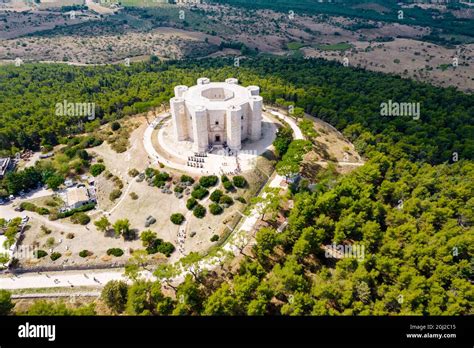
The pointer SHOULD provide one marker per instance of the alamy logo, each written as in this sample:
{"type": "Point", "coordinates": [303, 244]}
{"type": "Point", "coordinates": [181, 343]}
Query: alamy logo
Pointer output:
{"type": "Point", "coordinates": [400, 109]}
{"type": "Point", "coordinates": [341, 251]}
{"type": "Point", "coordinates": [37, 331]}
{"type": "Point", "coordinates": [76, 109]}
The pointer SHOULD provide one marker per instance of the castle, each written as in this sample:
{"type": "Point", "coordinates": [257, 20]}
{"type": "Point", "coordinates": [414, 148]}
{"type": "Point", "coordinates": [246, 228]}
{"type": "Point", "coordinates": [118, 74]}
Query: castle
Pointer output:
{"type": "Point", "coordinates": [217, 114]}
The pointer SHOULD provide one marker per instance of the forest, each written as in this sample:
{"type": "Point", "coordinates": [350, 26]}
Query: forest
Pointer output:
{"type": "Point", "coordinates": [411, 205]}
{"type": "Point", "coordinates": [341, 96]}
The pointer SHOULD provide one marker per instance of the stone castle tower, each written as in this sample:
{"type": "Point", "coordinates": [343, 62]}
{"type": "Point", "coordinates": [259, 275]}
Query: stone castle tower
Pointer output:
{"type": "Point", "coordinates": [214, 114]}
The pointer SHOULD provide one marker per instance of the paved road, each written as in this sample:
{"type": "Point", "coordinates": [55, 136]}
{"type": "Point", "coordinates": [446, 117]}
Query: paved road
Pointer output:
{"type": "Point", "coordinates": [7, 211]}
{"type": "Point", "coordinates": [71, 295]}
{"type": "Point", "coordinates": [291, 122]}
{"type": "Point", "coordinates": [62, 279]}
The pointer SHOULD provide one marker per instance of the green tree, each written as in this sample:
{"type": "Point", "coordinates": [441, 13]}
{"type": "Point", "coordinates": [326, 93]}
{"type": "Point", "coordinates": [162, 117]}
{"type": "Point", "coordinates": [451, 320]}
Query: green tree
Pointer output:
{"type": "Point", "coordinates": [221, 302]}
{"type": "Point", "coordinates": [6, 304]}
{"type": "Point", "coordinates": [145, 297]}
{"type": "Point", "coordinates": [103, 224]}
{"type": "Point", "coordinates": [135, 264]}
{"type": "Point", "coordinates": [96, 169]}
{"type": "Point", "coordinates": [190, 298]}
{"type": "Point", "coordinates": [54, 181]}
{"type": "Point", "coordinates": [148, 237]}
{"type": "Point", "coordinates": [114, 294]}
{"type": "Point", "coordinates": [122, 227]}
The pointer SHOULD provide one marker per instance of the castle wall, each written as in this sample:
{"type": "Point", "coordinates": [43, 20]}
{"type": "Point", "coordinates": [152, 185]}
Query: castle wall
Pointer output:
{"type": "Point", "coordinates": [200, 129]}
{"type": "Point", "coordinates": [178, 114]}
{"type": "Point", "coordinates": [256, 104]}
{"type": "Point", "coordinates": [234, 133]}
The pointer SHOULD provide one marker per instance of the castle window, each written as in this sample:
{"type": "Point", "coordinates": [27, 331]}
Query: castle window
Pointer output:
{"type": "Point", "coordinates": [241, 117]}
{"type": "Point", "coordinates": [217, 122]}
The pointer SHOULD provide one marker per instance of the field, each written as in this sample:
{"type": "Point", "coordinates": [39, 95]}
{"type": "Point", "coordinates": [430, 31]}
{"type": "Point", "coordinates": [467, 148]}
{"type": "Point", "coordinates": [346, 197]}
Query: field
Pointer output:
{"type": "Point", "coordinates": [295, 45]}
{"type": "Point", "coordinates": [143, 3]}
{"type": "Point", "coordinates": [158, 30]}
{"type": "Point", "coordinates": [343, 46]}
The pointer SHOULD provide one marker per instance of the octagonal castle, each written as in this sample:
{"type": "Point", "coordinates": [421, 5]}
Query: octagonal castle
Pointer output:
{"type": "Point", "coordinates": [217, 113]}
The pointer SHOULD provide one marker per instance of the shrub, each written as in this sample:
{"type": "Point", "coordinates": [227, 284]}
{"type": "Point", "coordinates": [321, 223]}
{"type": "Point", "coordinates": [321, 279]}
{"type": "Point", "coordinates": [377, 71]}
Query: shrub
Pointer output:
{"type": "Point", "coordinates": [134, 196]}
{"type": "Point", "coordinates": [80, 218]}
{"type": "Point", "coordinates": [160, 179]}
{"type": "Point", "coordinates": [28, 206]}
{"type": "Point", "coordinates": [200, 193]}
{"type": "Point", "coordinates": [42, 211]}
{"type": "Point", "coordinates": [115, 126]}
{"type": "Point", "coordinates": [187, 178]}
{"type": "Point", "coordinates": [178, 189]}
{"type": "Point", "coordinates": [133, 172]}
{"type": "Point", "coordinates": [40, 253]}
{"type": "Point", "coordinates": [214, 238]}
{"type": "Point", "coordinates": [224, 178]}
{"type": "Point", "coordinates": [228, 186]}
{"type": "Point", "coordinates": [199, 211]}
{"type": "Point", "coordinates": [54, 256]}
{"type": "Point", "coordinates": [96, 169]}
{"type": "Point", "coordinates": [177, 218]}
{"type": "Point", "coordinates": [85, 253]}
{"type": "Point", "coordinates": [70, 235]}
{"type": "Point", "coordinates": [45, 230]}
{"type": "Point", "coordinates": [215, 209]}
{"type": "Point", "coordinates": [31, 207]}
{"type": "Point", "coordinates": [50, 241]}
{"type": "Point", "coordinates": [239, 181]}
{"type": "Point", "coordinates": [226, 200]}
{"type": "Point", "coordinates": [241, 199]}
{"type": "Point", "coordinates": [150, 172]}
{"type": "Point", "coordinates": [51, 203]}
{"type": "Point", "coordinates": [191, 203]}
{"type": "Point", "coordinates": [85, 207]}
{"type": "Point", "coordinates": [166, 248]}
{"type": "Point", "coordinates": [117, 252]}
{"type": "Point", "coordinates": [115, 194]}
{"type": "Point", "coordinates": [160, 246]}
{"type": "Point", "coordinates": [208, 181]}
{"type": "Point", "coordinates": [216, 195]}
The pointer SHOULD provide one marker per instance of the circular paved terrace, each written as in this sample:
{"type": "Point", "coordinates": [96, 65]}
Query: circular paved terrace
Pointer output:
{"type": "Point", "coordinates": [162, 146]}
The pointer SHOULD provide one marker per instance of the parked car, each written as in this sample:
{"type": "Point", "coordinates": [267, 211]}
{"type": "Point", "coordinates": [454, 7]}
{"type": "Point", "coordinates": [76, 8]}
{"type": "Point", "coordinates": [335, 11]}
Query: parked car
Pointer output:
{"type": "Point", "coordinates": [150, 220]}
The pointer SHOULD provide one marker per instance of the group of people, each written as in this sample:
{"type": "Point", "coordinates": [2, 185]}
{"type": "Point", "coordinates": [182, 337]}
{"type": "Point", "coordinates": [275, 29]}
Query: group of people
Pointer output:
{"type": "Point", "coordinates": [181, 239]}
{"type": "Point", "coordinates": [195, 165]}
{"type": "Point", "coordinates": [197, 160]}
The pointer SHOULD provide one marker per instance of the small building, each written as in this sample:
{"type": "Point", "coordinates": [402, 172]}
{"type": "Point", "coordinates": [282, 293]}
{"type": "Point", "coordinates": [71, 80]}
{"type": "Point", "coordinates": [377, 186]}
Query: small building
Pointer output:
{"type": "Point", "coordinates": [79, 196]}
{"type": "Point", "coordinates": [5, 164]}
{"type": "Point", "coordinates": [46, 155]}
{"type": "Point", "coordinates": [69, 183]}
